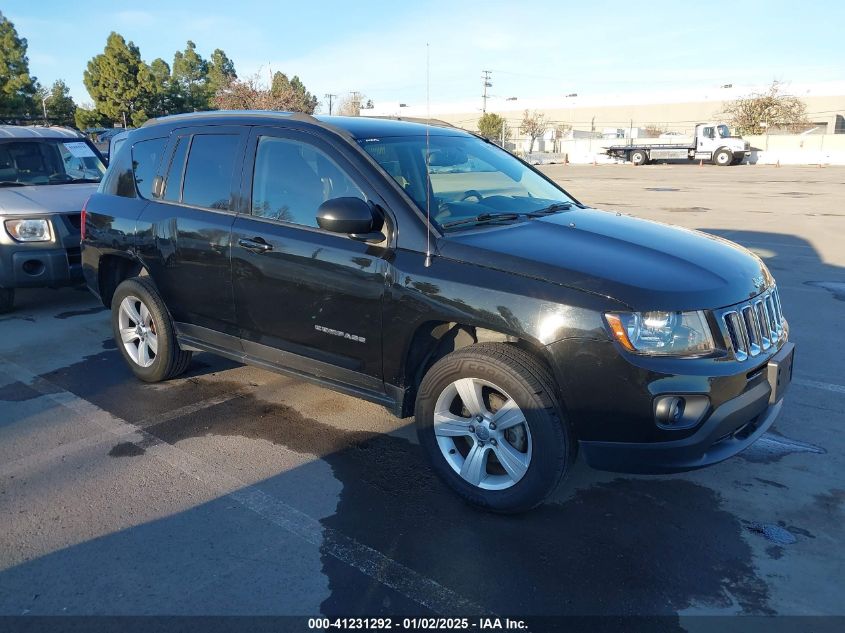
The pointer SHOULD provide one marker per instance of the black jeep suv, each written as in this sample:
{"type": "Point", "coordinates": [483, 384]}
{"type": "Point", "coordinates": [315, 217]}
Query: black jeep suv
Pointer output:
{"type": "Point", "coordinates": [423, 268]}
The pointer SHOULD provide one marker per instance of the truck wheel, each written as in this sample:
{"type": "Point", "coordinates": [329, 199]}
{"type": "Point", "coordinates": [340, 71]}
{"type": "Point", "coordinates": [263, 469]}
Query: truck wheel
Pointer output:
{"type": "Point", "coordinates": [144, 332]}
{"type": "Point", "coordinates": [489, 419]}
{"type": "Point", "coordinates": [639, 157]}
{"type": "Point", "coordinates": [722, 157]}
{"type": "Point", "coordinates": [7, 299]}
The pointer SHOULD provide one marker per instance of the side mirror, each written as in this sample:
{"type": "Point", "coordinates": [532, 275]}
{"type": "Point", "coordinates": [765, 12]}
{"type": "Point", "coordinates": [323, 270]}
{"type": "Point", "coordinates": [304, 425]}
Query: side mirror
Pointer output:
{"type": "Point", "coordinates": [351, 216]}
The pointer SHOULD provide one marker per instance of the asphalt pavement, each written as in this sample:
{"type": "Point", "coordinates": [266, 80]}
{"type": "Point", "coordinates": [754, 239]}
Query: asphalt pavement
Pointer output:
{"type": "Point", "coordinates": [233, 490]}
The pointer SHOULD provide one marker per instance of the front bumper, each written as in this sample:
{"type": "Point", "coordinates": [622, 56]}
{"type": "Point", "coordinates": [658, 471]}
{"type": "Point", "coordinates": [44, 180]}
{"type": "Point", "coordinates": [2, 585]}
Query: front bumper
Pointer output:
{"type": "Point", "coordinates": [611, 399]}
{"type": "Point", "coordinates": [730, 429]}
{"type": "Point", "coordinates": [42, 264]}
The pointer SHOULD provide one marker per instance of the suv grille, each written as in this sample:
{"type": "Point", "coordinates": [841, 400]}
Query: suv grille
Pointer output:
{"type": "Point", "coordinates": [74, 220]}
{"type": "Point", "coordinates": [755, 326]}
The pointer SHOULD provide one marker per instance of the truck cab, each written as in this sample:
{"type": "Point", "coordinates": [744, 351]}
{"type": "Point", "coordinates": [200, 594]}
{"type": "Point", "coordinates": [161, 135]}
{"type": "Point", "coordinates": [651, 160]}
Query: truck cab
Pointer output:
{"type": "Point", "coordinates": [713, 141]}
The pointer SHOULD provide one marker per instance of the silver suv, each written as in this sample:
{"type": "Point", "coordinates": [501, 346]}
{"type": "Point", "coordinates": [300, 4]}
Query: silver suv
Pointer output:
{"type": "Point", "coordinates": [46, 174]}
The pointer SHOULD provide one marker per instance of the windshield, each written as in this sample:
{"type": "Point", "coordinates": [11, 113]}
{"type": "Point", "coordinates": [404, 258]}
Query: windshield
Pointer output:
{"type": "Point", "coordinates": [48, 162]}
{"type": "Point", "coordinates": [724, 131]}
{"type": "Point", "coordinates": [469, 177]}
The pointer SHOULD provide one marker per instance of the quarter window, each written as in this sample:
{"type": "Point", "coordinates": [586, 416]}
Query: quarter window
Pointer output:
{"type": "Point", "coordinates": [145, 158]}
{"type": "Point", "coordinates": [293, 179]}
{"type": "Point", "coordinates": [208, 173]}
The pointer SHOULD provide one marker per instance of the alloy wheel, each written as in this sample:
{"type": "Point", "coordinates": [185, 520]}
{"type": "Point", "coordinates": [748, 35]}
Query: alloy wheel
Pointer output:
{"type": "Point", "coordinates": [137, 331]}
{"type": "Point", "coordinates": [482, 433]}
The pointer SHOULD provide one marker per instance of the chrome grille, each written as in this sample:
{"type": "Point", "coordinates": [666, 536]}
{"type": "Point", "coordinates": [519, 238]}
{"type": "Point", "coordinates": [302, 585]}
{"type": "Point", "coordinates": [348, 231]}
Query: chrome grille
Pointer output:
{"type": "Point", "coordinates": [755, 326]}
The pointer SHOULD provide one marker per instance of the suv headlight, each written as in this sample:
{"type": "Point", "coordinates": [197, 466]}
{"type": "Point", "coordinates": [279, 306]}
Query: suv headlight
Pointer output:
{"type": "Point", "coordinates": [29, 230]}
{"type": "Point", "coordinates": [662, 333]}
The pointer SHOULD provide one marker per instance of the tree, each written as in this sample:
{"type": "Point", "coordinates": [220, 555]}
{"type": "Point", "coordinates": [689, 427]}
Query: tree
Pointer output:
{"type": "Point", "coordinates": [166, 98]}
{"type": "Point", "coordinates": [758, 111]}
{"type": "Point", "coordinates": [533, 125]}
{"type": "Point", "coordinates": [491, 126]}
{"type": "Point", "coordinates": [119, 82]}
{"type": "Point", "coordinates": [291, 95]}
{"type": "Point", "coordinates": [251, 94]}
{"type": "Point", "coordinates": [88, 117]}
{"type": "Point", "coordinates": [653, 131]}
{"type": "Point", "coordinates": [190, 76]}
{"type": "Point", "coordinates": [221, 71]}
{"type": "Point", "coordinates": [58, 103]}
{"type": "Point", "coordinates": [351, 105]}
{"type": "Point", "coordinates": [17, 86]}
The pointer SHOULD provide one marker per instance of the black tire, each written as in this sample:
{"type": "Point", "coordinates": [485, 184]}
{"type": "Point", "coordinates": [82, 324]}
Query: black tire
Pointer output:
{"type": "Point", "coordinates": [7, 300]}
{"type": "Point", "coordinates": [639, 157]}
{"type": "Point", "coordinates": [170, 360]}
{"type": "Point", "coordinates": [524, 379]}
{"type": "Point", "coordinates": [737, 160]}
{"type": "Point", "coordinates": [723, 157]}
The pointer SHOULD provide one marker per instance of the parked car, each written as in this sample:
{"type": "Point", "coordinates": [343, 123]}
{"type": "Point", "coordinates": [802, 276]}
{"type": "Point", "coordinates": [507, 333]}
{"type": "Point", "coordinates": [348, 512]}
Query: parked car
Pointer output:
{"type": "Point", "coordinates": [46, 174]}
{"type": "Point", "coordinates": [428, 270]}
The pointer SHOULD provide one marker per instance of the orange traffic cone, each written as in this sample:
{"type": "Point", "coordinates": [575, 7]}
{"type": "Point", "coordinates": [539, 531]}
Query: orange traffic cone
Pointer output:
{"type": "Point", "coordinates": [701, 163]}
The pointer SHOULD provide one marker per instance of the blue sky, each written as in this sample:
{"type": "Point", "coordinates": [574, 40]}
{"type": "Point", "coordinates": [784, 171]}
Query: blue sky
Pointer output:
{"type": "Point", "coordinates": [535, 49]}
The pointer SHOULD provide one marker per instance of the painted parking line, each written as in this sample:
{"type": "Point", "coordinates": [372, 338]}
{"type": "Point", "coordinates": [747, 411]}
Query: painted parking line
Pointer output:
{"type": "Point", "coordinates": [424, 591]}
{"type": "Point", "coordinates": [816, 384]}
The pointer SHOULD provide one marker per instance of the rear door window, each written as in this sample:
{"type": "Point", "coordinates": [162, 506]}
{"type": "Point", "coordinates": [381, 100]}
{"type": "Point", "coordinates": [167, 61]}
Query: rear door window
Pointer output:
{"type": "Point", "coordinates": [208, 173]}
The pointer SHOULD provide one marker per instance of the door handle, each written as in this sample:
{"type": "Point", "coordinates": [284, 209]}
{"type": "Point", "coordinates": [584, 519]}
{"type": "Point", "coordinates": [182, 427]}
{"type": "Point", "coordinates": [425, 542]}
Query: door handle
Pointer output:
{"type": "Point", "coordinates": [256, 245]}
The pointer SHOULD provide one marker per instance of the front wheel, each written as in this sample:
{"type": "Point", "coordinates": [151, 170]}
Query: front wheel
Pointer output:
{"type": "Point", "coordinates": [723, 157]}
{"type": "Point", "coordinates": [144, 332]}
{"type": "Point", "coordinates": [7, 300]}
{"type": "Point", "coordinates": [489, 419]}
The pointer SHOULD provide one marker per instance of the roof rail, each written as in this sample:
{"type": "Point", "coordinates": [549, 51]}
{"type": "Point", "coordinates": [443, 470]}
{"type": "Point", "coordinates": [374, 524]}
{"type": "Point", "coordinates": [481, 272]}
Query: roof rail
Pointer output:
{"type": "Point", "coordinates": [207, 114]}
{"type": "Point", "coordinates": [413, 119]}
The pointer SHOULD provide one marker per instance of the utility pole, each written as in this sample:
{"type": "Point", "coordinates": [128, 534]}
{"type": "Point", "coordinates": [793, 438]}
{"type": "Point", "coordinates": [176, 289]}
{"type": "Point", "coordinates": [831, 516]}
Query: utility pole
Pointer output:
{"type": "Point", "coordinates": [44, 108]}
{"type": "Point", "coordinates": [331, 98]}
{"type": "Point", "coordinates": [486, 83]}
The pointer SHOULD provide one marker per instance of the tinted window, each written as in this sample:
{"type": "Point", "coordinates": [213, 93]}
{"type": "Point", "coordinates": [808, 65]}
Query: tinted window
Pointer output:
{"type": "Point", "coordinates": [208, 174]}
{"type": "Point", "coordinates": [293, 179]}
{"type": "Point", "coordinates": [145, 158]}
{"type": "Point", "coordinates": [118, 180]}
{"type": "Point", "coordinates": [173, 184]}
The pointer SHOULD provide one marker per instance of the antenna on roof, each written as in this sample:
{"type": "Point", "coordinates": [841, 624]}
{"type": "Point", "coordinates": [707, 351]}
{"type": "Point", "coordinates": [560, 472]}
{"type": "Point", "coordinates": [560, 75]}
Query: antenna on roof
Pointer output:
{"type": "Point", "coordinates": [427, 157]}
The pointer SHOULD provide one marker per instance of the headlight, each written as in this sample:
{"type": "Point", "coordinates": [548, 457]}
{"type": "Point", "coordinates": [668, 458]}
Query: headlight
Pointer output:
{"type": "Point", "coordinates": [662, 333]}
{"type": "Point", "coordinates": [29, 230]}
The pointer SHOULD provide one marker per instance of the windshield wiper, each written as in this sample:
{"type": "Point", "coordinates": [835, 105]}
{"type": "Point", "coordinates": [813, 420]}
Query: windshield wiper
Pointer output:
{"type": "Point", "coordinates": [12, 183]}
{"type": "Point", "coordinates": [552, 208]}
{"type": "Point", "coordinates": [73, 181]}
{"type": "Point", "coordinates": [482, 218]}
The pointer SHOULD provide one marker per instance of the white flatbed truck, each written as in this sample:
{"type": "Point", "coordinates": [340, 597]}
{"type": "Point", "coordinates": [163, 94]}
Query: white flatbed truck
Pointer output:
{"type": "Point", "coordinates": [712, 142]}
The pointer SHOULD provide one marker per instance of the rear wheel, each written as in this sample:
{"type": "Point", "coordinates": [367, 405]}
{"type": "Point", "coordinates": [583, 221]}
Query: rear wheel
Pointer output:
{"type": "Point", "coordinates": [722, 157]}
{"type": "Point", "coordinates": [144, 332]}
{"type": "Point", "coordinates": [639, 157]}
{"type": "Point", "coordinates": [7, 300]}
{"type": "Point", "coordinates": [490, 422]}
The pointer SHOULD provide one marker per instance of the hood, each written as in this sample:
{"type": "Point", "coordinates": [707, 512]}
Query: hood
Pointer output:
{"type": "Point", "coordinates": [41, 199]}
{"type": "Point", "coordinates": [645, 265]}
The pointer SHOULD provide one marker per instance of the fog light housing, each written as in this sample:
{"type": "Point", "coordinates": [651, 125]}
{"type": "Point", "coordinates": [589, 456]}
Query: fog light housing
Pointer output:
{"type": "Point", "coordinates": [674, 412]}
